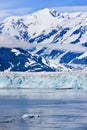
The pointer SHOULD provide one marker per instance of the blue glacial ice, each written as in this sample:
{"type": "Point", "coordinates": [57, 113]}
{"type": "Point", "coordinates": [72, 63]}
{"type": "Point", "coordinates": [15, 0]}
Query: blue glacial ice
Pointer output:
{"type": "Point", "coordinates": [69, 80]}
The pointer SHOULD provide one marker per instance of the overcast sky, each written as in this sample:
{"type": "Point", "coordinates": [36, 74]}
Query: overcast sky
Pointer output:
{"type": "Point", "coordinates": [22, 7]}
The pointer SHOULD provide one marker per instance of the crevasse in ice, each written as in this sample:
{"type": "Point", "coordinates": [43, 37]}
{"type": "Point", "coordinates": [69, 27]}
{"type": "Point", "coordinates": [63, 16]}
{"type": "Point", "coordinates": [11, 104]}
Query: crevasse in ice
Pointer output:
{"type": "Point", "coordinates": [70, 80]}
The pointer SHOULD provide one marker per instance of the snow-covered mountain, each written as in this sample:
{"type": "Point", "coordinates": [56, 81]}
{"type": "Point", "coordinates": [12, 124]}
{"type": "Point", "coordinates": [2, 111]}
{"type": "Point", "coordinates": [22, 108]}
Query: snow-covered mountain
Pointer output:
{"type": "Point", "coordinates": [58, 38]}
{"type": "Point", "coordinates": [17, 59]}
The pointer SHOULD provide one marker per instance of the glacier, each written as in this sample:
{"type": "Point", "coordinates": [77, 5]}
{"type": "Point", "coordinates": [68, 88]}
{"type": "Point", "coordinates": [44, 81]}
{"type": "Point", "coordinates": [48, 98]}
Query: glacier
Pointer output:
{"type": "Point", "coordinates": [42, 80]}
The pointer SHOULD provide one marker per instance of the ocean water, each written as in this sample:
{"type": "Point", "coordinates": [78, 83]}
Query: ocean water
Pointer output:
{"type": "Point", "coordinates": [43, 109]}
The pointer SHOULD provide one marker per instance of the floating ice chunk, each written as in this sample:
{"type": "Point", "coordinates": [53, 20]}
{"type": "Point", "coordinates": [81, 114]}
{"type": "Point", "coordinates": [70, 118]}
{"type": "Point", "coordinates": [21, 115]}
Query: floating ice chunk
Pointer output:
{"type": "Point", "coordinates": [28, 116]}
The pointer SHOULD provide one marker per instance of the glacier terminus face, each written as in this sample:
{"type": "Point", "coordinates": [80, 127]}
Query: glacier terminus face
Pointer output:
{"type": "Point", "coordinates": [50, 80]}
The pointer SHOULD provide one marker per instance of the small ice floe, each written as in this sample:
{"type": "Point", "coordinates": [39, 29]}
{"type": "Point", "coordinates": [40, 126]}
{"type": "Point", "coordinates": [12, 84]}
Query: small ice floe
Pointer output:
{"type": "Point", "coordinates": [29, 116]}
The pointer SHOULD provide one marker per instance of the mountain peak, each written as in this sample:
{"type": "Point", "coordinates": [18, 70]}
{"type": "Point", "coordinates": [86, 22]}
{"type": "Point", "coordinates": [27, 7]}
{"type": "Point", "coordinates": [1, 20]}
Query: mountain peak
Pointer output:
{"type": "Point", "coordinates": [43, 11]}
{"type": "Point", "coordinates": [54, 13]}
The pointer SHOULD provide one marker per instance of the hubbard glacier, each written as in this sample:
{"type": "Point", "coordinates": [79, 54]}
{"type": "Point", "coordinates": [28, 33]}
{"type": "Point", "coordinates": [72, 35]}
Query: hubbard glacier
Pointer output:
{"type": "Point", "coordinates": [61, 81]}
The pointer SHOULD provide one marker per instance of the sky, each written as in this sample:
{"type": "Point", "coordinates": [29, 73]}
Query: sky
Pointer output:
{"type": "Point", "coordinates": [22, 7]}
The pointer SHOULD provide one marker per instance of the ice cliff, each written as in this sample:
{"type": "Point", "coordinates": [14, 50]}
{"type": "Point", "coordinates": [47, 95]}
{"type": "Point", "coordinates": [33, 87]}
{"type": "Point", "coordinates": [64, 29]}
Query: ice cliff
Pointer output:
{"type": "Point", "coordinates": [69, 80]}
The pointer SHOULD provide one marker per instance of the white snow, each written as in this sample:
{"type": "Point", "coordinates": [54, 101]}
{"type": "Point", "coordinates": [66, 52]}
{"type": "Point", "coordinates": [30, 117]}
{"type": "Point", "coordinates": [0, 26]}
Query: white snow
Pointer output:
{"type": "Point", "coordinates": [27, 64]}
{"type": "Point", "coordinates": [15, 51]}
{"type": "Point", "coordinates": [42, 22]}
{"type": "Point", "coordinates": [82, 56]}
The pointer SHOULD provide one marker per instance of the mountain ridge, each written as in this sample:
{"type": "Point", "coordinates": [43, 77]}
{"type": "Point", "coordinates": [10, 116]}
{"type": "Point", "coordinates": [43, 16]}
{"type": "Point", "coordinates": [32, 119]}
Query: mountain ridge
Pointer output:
{"type": "Point", "coordinates": [59, 38]}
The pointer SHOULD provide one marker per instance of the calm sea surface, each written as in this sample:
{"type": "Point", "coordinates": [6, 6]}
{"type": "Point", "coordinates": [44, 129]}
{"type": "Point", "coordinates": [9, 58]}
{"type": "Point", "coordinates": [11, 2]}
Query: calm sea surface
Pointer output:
{"type": "Point", "coordinates": [43, 109]}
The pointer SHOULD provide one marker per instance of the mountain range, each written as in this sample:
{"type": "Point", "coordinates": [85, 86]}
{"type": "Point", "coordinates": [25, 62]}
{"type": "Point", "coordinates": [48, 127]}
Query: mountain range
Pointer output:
{"type": "Point", "coordinates": [45, 40]}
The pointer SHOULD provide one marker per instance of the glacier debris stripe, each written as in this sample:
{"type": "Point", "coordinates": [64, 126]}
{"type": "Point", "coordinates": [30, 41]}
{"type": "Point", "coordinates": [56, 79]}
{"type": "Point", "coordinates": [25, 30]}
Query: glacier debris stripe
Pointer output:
{"type": "Point", "coordinates": [70, 80]}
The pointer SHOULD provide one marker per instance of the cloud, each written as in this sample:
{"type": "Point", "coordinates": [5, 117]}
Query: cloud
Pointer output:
{"type": "Point", "coordinates": [11, 42]}
{"type": "Point", "coordinates": [71, 9]}
{"type": "Point", "coordinates": [12, 12]}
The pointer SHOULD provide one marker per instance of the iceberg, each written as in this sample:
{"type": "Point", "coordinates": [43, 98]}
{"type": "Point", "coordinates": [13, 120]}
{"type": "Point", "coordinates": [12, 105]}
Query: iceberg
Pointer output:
{"type": "Point", "coordinates": [43, 80]}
